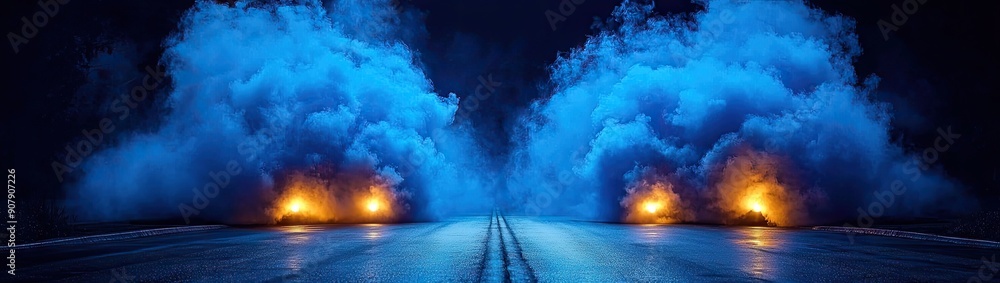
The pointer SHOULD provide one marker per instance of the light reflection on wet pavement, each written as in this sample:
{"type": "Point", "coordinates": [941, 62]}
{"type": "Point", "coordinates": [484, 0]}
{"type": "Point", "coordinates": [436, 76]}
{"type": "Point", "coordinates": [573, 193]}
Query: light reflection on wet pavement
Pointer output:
{"type": "Point", "coordinates": [497, 249]}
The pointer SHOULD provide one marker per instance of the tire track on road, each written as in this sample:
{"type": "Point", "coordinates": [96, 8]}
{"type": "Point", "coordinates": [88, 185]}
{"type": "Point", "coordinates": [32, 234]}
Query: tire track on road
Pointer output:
{"type": "Point", "coordinates": [491, 266]}
{"type": "Point", "coordinates": [518, 270]}
{"type": "Point", "coordinates": [503, 259]}
{"type": "Point", "coordinates": [503, 249]}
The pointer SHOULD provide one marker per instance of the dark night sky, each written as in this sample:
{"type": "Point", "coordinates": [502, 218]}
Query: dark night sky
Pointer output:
{"type": "Point", "coordinates": [938, 69]}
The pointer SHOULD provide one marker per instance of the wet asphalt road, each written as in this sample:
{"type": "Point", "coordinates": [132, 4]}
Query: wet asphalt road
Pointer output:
{"type": "Point", "coordinates": [499, 249]}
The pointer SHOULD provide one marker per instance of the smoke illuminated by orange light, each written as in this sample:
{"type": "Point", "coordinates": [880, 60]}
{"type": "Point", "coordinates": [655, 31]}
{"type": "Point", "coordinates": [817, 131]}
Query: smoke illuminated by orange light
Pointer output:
{"type": "Point", "coordinates": [753, 183]}
{"type": "Point", "coordinates": [376, 205]}
{"type": "Point", "coordinates": [653, 202]}
{"type": "Point", "coordinates": [307, 199]}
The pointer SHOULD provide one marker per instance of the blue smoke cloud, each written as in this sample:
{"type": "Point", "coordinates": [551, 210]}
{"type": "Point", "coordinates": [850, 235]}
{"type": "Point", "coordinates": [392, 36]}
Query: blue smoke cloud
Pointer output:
{"type": "Point", "coordinates": [745, 104]}
{"type": "Point", "coordinates": [711, 106]}
{"type": "Point", "coordinates": [265, 94]}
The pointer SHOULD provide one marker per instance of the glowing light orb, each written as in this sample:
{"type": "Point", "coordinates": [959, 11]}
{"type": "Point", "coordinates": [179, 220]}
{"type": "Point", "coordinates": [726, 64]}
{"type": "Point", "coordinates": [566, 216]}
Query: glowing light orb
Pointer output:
{"type": "Point", "coordinates": [652, 207]}
{"type": "Point", "coordinates": [295, 206]}
{"type": "Point", "coordinates": [757, 207]}
{"type": "Point", "coordinates": [373, 205]}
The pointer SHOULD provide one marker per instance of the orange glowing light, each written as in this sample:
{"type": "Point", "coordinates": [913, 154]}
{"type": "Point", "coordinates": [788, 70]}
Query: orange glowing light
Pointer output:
{"type": "Point", "coordinates": [295, 206]}
{"type": "Point", "coordinates": [652, 207]}
{"type": "Point", "coordinates": [306, 199]}
{"type": "Point", "coordinates": [373, 205]}
{"type": "Point", "coordinates": [756, 207]}
{"type": "Point", "coordinates": [652, 202]}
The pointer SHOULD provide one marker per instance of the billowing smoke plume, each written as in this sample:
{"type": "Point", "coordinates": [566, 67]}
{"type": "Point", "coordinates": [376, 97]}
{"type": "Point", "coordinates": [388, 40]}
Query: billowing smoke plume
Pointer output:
{"type": "Point", "coordinates": [275, 102]}
{"type": "Point", "coordinates": [296, 109]}
{"type": "Point", "coordinates": [747, 106]}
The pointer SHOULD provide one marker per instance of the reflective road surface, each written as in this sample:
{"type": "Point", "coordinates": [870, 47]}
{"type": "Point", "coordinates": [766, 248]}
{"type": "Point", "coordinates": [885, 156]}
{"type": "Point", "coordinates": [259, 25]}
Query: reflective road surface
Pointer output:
{"type": "Point", "coordinates": [507, 249]}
